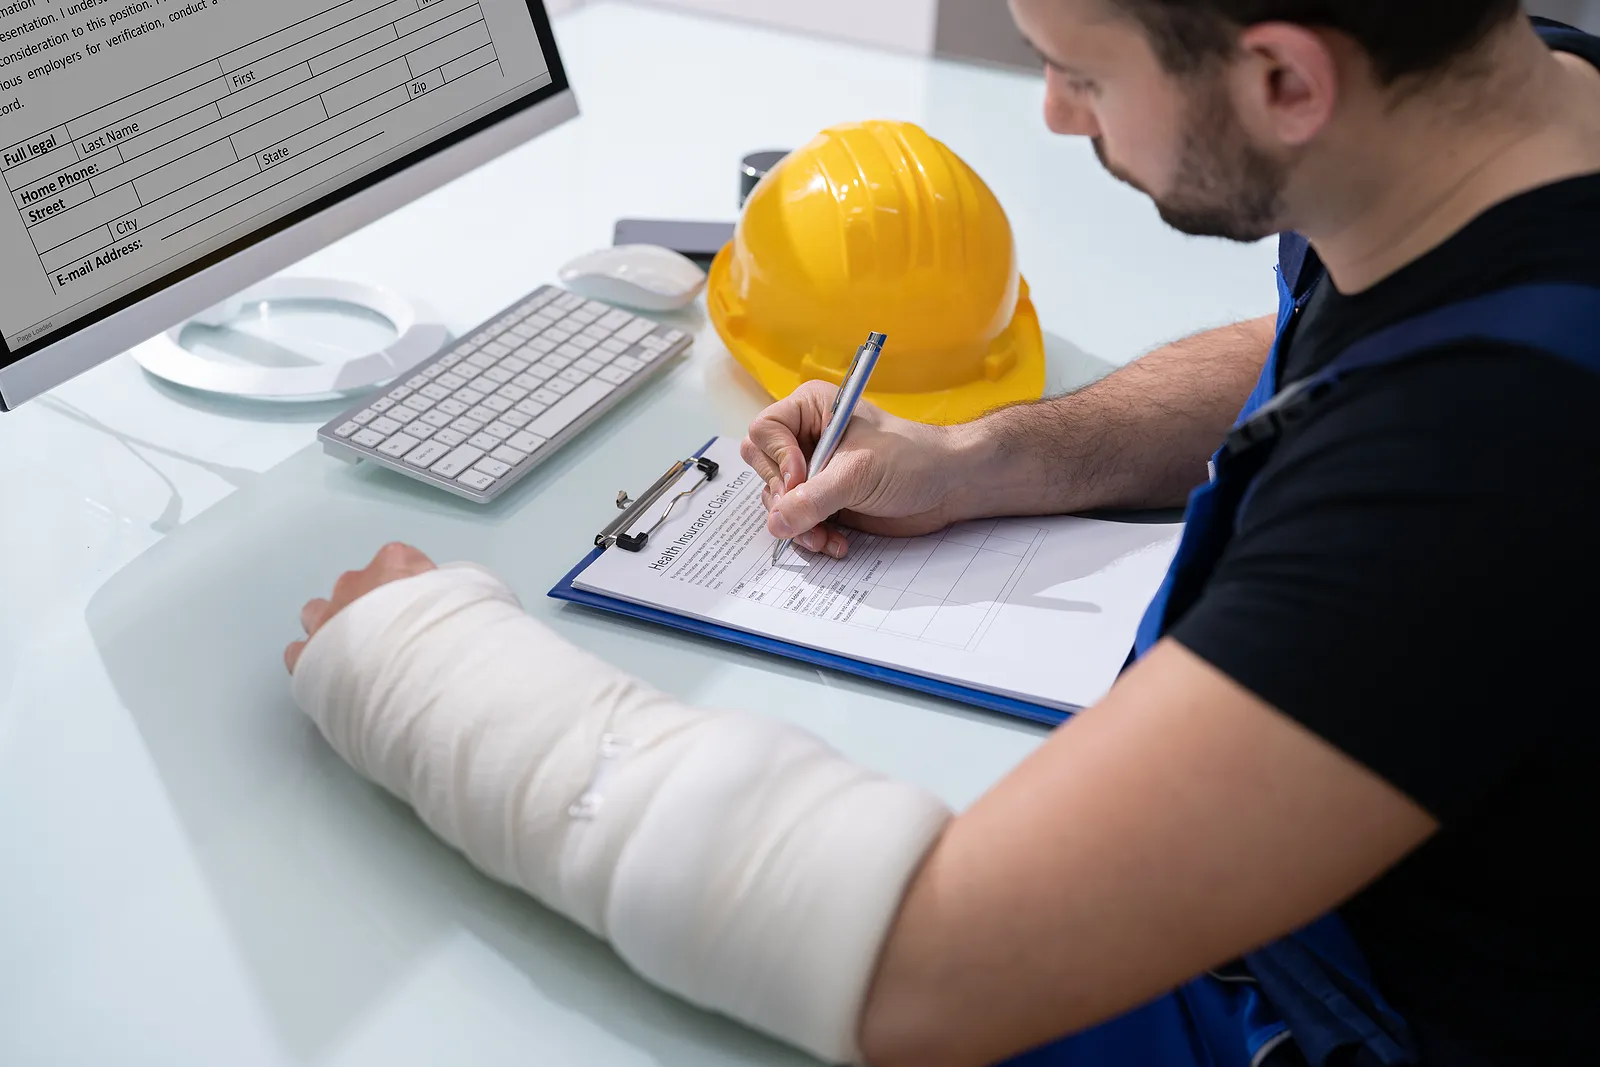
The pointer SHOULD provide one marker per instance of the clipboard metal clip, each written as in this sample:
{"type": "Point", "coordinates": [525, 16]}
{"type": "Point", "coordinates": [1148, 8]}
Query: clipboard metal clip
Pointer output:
{"type": "Point", "coordinates": [616, 533]}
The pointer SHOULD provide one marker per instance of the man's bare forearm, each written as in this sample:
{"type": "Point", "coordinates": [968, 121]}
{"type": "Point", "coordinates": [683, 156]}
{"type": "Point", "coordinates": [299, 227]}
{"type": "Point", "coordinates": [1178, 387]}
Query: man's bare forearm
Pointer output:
{"type": "Point", "coordinates": [1138, 438]}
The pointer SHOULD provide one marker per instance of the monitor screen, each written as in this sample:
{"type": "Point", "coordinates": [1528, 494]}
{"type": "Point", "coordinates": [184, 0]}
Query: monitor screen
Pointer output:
{"type": "Point", "coordinates": [144, 140]}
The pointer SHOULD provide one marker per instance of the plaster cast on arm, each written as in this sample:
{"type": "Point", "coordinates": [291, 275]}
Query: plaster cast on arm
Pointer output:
{"type": "Point", "coordinates": [734, 860]}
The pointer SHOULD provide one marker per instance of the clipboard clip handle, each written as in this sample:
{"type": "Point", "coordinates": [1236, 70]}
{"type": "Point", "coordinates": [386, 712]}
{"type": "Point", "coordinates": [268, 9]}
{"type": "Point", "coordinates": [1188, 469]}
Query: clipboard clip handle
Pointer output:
{"type": "Point", "coordinates": [616, 533]}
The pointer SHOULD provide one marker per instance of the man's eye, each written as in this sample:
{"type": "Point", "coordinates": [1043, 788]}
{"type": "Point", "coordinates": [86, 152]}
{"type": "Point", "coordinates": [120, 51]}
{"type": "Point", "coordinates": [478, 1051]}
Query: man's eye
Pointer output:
{"type": "Point", "coordinates": [1080, 85]}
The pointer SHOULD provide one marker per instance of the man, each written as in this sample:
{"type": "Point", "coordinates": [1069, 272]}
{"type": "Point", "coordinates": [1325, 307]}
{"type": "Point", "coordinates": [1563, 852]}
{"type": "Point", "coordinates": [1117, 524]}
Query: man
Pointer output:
{"type": "Point", "coordinates": [1334, 813]}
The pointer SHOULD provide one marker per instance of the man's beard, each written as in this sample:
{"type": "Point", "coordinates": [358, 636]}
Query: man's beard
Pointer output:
{"type": "Point", "coordinates": [1224, 187]}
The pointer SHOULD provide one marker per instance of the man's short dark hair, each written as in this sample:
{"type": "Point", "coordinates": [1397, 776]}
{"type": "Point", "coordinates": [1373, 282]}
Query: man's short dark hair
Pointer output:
{"type": "Point", "coordinates": [1403, 37]}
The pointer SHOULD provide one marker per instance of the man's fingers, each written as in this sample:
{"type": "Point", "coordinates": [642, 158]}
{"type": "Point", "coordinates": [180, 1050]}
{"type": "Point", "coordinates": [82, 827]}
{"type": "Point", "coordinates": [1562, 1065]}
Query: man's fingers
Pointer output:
{"type": "Point", "coordinates": [314, 614]}
{"type": "Point", "coordinates": [824, 539]}
{"type": "Point", "coordinates": [809, 504]}
{"type": "Point", "coordinates": [760, 462]}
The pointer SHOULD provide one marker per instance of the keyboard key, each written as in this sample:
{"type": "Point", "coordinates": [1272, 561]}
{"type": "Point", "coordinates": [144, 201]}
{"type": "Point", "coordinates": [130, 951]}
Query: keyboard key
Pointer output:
{"type": "Point", "coordinates": [559, 386]}
{"type": "Point", "coordinates": [568, 301]}
{"type": "Point", "coordinates": [492, 467]}
{"type": "Point", "coordinates": [533, 407]}
{"type": "Point", "coordinates": [398, 445]}
{"type": "Point", "coordinates": [495, 349]}
{"type": "Point", "coordinates": [628, 363]}
{"type": "Point", "coordinates": [586, 365]}
{"type": "Point", "coordinates": [382, 404]}
{"type": "Point", "coordinates": [402, 415]}
{"type": "Point", "coordinates": [567, 352]}
{"type": "Point", "coordinates": [614, 374]}
{"type": "Point", "coordinates": [656, 341]}
{"type": "Point", "coordinates": [526, 442]}
{"type": "Point", "coordinates": [432, 371]}
{"type": "Point", "coordinates": [543, 344]}
{"type": "Point", "coordinates": [531, 379]}
{"type": "Point", "coordinates": [508, 455]}
{"type": "Point", "coordinates": [482, 414]}
{"type": "Point", "coordinates": [384, 426]}
{"type": "Point", "coordinates": [417, 383]}
{"type": "Point", "coordinates": [482, 360]}
{"type": "Point", "coordinates": [449, 438]}
{"type": "Point", "coordinates": [451, 381]}
{"type": "Point", "coordinates": [524, 331]}
{"type": "Point", "coordinates": [347, 429]}
{"type": "Point", "coordinates": [496, 404]}
{"type": "Point", "coordinates": [476, 480]}
{"type": "Point", "coordinates": [438, 417]}
{"type": "Point", "coordinates": [569, 410]}
{"type": "Point", "coordinates": [557, 334]}
{"type": "Point", "coordinates": [559, 360]}
{"type": "Point", "coordinates": [419, 403]}
{"type": "Point", "coordinates": [615, 320]}
{"type": "Point", "coordinates": [516, 419]}
{"type": "Point", "coordinates": [399, 393]}
{"type": "Point", "coordinates": [452, 359]}
{"type": "Point", "coordinates": [583, 316]}
{"type": "Point", "coordinates": [457, 461]}
{"type": "Point", "coordinates": [470, 397]}
{"type": "Point", "coordinates": [453, 407]}
{"type": "Point", "coordinates": [484, 442]}
{"type": "Point", "coordinates": [614, 345]}
{"type": "Point", "coordinates": [580, 344]}
{"type": "Point", "coordinates": [499, 429]}
{"type": "Point", "coordinates": [435, 392]}
{"type": "Point", "coordinates": [421, 430]}
{"type": "Point", "coordinates": [674, 336]}
{"type": "Point", "coordinates": [545, 397]}
{"type": "Point", "coordinates": [466, 426]}
{"type": "Point", "coordinates": [646, 355]}
{"type": "Point", "coordinates": [596, 333]}
{"type": "Point", "coordinates": [361, 418]}
{"type": "Point", "coordinates": [368, 438]}
{"type": "Point", "coordinates": [603, 355]}
{"type": "Point", "coordinates": [511, 392]}
{"type": "Point", "coordinates": [634, 330]}
{"type": "Point", "coordinates": [597, 307]}
{"type": "Point", "coordinates": [425, 455]}
{"type": "Point", "coordinates": [515, 364]}
{"type": "Point", "coordinates": [574, 375]}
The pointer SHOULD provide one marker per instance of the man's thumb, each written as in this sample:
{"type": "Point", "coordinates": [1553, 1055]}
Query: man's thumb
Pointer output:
{"type": "Point", "coordinates": [808, 505]}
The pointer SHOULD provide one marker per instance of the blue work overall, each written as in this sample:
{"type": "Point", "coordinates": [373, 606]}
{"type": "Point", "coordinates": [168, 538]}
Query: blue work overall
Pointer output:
{"type": "Point", "coordinates": [1308, 997]}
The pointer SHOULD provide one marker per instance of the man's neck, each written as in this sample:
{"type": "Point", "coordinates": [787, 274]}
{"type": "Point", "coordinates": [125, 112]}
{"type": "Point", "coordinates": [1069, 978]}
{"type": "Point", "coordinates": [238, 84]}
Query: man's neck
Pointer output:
{"type": "Point", "coordinates": [1438, 165]}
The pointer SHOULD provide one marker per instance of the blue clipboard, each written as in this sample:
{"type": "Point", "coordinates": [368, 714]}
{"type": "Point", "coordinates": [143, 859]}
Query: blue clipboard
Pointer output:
{"type": "Point", "coordinates": [1021, 709]}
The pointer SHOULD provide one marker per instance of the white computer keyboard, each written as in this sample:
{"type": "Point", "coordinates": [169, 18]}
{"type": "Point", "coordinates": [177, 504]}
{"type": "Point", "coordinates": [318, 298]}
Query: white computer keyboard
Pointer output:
{"type": "Point", "coordinates": [476, 418]}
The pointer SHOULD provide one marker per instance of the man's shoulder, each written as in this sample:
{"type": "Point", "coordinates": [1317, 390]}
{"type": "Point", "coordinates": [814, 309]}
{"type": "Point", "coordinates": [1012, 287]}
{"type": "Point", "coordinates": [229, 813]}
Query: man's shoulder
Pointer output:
{"type": "Point", "coordinates": [1564, 38]}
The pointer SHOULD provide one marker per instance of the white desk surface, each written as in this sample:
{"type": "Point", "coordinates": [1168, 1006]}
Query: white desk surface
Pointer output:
{"type": "Point", "coordinates": [189, 877]}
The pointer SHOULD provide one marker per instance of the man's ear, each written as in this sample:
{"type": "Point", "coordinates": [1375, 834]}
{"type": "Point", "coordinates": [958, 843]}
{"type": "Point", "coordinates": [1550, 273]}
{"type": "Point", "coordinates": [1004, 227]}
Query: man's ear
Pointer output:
{"type": "Point", "coordinates": [1285, 81]}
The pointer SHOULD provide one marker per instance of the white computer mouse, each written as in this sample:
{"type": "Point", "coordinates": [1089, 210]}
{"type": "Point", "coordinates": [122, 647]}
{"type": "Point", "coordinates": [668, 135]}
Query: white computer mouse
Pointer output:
{"type": "Point", "coordinates": [646, 277]}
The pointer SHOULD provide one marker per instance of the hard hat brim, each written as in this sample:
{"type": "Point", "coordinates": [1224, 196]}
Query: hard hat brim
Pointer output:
{"type": "Point", "coordinates": [1023, 338]}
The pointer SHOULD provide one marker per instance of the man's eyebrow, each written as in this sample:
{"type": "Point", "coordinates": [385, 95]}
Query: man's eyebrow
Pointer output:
{"type": "Point", "coordinates": [1045, 58]}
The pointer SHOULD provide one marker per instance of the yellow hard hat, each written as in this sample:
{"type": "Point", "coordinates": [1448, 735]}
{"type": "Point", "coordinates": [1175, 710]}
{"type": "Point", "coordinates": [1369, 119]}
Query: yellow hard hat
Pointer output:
{"type": "Point", "coordinates": [876, 226]}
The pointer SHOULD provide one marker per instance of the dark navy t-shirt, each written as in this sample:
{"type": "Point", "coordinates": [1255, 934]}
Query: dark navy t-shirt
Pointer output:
{"type": "Point", "coordinates": [1416, 580]}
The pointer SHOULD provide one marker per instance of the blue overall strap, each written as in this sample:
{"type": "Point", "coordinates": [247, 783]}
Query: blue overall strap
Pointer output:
{"type": "Point", "coordinates": [1558, 318]}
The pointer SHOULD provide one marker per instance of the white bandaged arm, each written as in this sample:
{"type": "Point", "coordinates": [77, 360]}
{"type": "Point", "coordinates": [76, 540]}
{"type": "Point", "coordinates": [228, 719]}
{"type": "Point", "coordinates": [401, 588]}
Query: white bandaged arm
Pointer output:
{"type": "Point", "coordinates": [729, 858]}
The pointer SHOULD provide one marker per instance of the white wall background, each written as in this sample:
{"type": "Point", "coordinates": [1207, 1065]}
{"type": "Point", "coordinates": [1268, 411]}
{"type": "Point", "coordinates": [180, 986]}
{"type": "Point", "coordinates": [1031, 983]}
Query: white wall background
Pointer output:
{"type": "Point", "coordinates": [910, 25]}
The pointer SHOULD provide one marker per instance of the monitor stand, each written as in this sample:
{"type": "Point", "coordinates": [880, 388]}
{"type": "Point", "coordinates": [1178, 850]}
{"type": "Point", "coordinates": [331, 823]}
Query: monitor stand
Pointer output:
{"type": "Point", "coordinates": [257, 345]}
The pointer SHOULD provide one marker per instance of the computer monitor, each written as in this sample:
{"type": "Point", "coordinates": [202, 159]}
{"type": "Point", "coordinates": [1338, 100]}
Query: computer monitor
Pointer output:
{"type": "Point", "coordinates": [161, 155]}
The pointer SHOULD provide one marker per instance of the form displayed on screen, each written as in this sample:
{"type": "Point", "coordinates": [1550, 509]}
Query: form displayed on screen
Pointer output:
{"type": "Point", "coordinates": [138, 136]}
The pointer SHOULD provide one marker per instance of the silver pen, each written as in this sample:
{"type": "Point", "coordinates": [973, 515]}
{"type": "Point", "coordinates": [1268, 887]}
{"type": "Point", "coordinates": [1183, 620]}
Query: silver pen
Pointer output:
{"type": "Point", "coordinates": [844, 407]}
